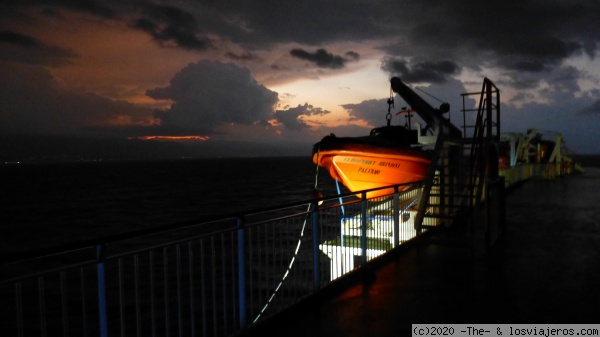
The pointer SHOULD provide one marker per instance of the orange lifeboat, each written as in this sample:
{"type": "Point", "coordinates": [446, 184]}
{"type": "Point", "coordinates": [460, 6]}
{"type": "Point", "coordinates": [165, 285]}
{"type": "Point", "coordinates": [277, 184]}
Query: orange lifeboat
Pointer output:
{"type": "Point", "coordinates": [382, 159]}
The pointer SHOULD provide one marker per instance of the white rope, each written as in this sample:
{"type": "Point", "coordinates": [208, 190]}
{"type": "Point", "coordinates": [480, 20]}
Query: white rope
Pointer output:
{"type": "Point", "coordinates": [289, 268]}
{"type": "Point", "coordinates": [287, 271]}
{"type": "Point", "coordinates": [337, 185]}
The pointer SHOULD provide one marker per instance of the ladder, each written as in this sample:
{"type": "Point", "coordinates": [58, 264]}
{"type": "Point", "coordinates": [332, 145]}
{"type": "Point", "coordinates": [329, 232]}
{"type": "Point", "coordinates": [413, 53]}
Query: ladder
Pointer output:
{"type": "Point", "coordinates": [461, 169]}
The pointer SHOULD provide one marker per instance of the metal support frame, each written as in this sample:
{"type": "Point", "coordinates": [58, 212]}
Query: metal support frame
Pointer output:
{"type": "Point", "coordinates": [102, 311]}
{"type": "Point", "coordinates": [396, 215]}
{"type": "Point", "coordinates": [363, 227]}
{"type": "Point", "coordinates": [241, 237]}
{"type": "Point", "coordinates": [315, 247]}
{"type": "Point", "coordinates": [428, 183]}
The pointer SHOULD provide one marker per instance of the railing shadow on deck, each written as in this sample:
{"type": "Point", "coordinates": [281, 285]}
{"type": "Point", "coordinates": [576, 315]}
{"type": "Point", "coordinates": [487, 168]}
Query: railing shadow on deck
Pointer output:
{"type": "Point", "coordinates": [214, 277]}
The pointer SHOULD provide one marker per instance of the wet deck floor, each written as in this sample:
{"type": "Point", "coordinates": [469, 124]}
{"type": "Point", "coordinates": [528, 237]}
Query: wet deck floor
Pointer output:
{"type": "Point", "coordinates": [546, 269]}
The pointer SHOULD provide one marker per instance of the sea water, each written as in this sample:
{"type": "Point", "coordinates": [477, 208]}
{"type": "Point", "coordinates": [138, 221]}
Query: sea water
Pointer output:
{"type": "Point", "coordinates": [53, 204]}
{"type": "Point", "coordinates": [49, 205]}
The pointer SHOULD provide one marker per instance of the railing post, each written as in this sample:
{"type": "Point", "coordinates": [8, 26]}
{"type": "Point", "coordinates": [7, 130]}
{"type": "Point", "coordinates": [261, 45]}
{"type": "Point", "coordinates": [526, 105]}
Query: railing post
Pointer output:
{"type": "Point", "coordinates": [315, 247]}
{"type": "Point", "coordinates": [102, 314]}
{"type": "Point", "coordinates": [242, 271]}
{"type": "Point", "coordinates": [396, 215]}
{"type": "Point", "coordinates": [363, 227]}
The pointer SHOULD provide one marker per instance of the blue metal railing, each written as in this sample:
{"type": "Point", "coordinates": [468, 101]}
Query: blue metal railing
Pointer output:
{"type": "Point", "coordinates": [207, 278]}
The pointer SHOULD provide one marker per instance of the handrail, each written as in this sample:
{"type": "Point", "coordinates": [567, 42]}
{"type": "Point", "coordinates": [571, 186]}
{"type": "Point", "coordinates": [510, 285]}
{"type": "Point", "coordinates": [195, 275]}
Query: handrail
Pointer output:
{"type": "Point", "coordinates": [483, 136]}
{"type": "Point", "coordinates": [85, 244]}
{"type": "Point", "coordinates": [217, 280]}
{"type": "Point", "coordinates": [428, 184]}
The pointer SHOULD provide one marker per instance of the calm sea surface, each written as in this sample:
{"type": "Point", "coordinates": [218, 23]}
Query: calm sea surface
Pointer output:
{"type": "Point", "coordinates": [46, 205]}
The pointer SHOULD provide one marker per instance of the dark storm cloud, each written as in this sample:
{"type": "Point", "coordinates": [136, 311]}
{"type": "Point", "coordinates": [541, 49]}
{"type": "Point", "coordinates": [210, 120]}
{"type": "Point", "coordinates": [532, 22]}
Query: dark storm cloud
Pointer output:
{"type": "Point", "coordinates": [590, 48]}
{"type": "Point", "coordinates": [22, 48]}
{"type": "Point", "coordinates": [18, 39]}
{"type": "Point", "coordinates": [324, 59]}
{"type": "Point", "coordinates": [535, 54]}
{"type": "Point", "coordinates": [171, 24]}
{"type": "Point", "coordinates": [93, 7]}
{"type": "Point", "coordinates": [372, 111]}
{"type": "Point", "coordinates": [352, 56]}
{"type": "Point", "coordinates": [306, 22]}
{"type": "Point", "coordinates": [52, 12]}
{"type": "Point", "coordinates": [290, 117]}
{"type": "Point", "coordinates": [98, 8]}
{"type": "Point", "coordinates": [427, 71]}
{"type": "Point", "coordinates": [210, 94]}
{"type": "Point", "coordinates": [593, 109]}
{"type": "Point", "coordinates": [562, 83]}
{"type": "Point", "coordinates": [35, 102]}
{"type": "Point", "coordinates": [246, 56]}
{"type": "Point", "coordinates": [527, 36]}
{"type": "Point", "coordinates": [515, 38]}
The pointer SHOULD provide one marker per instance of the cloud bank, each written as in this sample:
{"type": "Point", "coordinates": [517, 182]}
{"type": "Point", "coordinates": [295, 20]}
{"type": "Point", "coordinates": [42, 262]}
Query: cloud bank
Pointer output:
{"type": "Point", "coordinates": [324, 59]}
{"type": "Point", "coordinates": [36, 102]}
{"type": "Point", "coordinates": [208, 94]}
{"type": "Point", "coordinates": [223, 58]}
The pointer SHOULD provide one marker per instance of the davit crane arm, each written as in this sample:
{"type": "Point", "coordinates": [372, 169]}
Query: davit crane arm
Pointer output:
{"type": "Point", "coordinates": [431, 116]}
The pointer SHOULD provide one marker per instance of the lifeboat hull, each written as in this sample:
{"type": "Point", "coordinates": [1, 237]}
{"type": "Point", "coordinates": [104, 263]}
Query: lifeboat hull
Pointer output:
{"type": "Point", "coordinates": [364, 167]}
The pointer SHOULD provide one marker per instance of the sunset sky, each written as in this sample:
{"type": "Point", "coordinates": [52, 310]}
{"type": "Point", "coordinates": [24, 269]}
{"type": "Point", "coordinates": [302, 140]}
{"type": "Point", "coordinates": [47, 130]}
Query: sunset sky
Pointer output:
{"type": "Point", "coordinates": [192, 78]}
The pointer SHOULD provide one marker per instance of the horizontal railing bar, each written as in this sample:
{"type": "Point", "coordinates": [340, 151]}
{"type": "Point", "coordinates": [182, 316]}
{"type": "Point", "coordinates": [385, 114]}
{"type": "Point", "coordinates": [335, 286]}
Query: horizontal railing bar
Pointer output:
{"type": "Point", "coordinates": [335, 205]}
{"type": "Point", "coordinates": [209, 234]}
{"type": "Point", "coordinates": [438, 216]}
{"type": "Point", "coordinates": [285, 217]}
{"type": "Point", "coordinates": [170, 243]}
{"type": "Point", "coordinates": [347, 203]}
{"type": "Point", "coordinates": [479, 92]}
{"type": "Point", "coordinates": [45, 272]}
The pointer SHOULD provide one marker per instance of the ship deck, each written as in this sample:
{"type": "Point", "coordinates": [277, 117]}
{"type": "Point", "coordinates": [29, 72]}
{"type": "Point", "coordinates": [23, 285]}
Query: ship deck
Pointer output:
{"type": "Point", "coordinates": [543, 270]}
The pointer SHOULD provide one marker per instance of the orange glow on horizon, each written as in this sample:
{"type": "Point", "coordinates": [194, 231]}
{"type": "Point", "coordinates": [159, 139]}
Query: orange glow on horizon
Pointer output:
{"type": "Point", "coordinates": [203, 138]}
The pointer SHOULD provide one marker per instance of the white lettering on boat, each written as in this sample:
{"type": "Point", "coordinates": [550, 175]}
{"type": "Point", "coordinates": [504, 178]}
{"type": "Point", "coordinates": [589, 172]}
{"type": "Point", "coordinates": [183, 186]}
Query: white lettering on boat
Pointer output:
{"type": "Point", "coordinates": [368, 170]}
{"type": "Point", "coordinates": [358, 161]}
{"type": "Point", "coordinates": [388, 164]}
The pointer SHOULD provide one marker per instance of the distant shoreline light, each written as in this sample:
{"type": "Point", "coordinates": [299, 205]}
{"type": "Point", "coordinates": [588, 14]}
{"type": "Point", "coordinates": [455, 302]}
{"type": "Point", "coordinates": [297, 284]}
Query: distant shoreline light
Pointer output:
{"type": "Point", "coordinates": [171, 138]}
